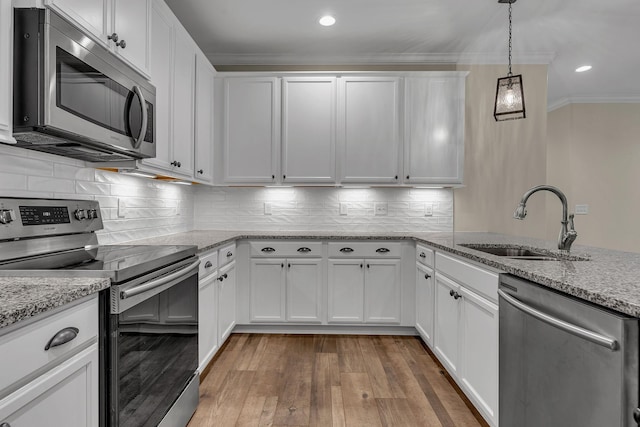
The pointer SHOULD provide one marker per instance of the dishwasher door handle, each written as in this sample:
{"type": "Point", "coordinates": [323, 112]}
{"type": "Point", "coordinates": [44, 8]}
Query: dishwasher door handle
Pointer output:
{"type": "Point", "coordinates": [578, 331]}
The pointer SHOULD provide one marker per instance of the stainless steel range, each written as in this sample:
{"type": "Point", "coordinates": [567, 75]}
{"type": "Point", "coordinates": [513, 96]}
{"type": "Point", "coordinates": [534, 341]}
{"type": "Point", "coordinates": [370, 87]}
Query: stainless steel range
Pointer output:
{"type": "Point", "coordinates": [149, 316]}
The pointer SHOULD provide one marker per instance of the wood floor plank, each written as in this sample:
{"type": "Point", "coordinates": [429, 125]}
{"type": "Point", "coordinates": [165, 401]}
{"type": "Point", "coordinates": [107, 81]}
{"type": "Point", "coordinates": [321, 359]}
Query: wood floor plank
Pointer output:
{"type": "Point", "coordinates": [321, 382]}
{"type": "Point", "coordinates": [360, 408]}
{"type": "Point", "coordinates": [294, 399]}
{"type": "Point", "coordinates": [248, 353]}
{"type": "Point", "coordinates": [337, 407]}
{"type": "Point", "coordinates": [377, 374]}
{"type": "Point", "coordinates": [268, 412]}
{"type": "Point", "coordinates": [251, 411]}
{"type": "Point", "coordinates": [396, 412]}
{"type": "Point", "coordinates": [224, 408]}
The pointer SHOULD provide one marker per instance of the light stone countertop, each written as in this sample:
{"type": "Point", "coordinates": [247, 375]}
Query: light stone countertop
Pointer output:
{"type": "Point", "coordinates": [25, 297]}
{"type": "Point", "coordinates": [609, 278]}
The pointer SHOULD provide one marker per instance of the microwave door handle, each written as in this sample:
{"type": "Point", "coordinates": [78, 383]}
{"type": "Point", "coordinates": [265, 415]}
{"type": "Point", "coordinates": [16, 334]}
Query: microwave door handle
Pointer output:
{"type": "Point", "coordinates": [145, 118]}
{"type": "Point", "coordinates": [576, 330]}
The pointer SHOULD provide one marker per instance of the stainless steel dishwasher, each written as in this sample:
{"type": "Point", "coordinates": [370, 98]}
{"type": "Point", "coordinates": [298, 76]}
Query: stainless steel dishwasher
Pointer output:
{"type": "Point", "coordinates": [563, 361]}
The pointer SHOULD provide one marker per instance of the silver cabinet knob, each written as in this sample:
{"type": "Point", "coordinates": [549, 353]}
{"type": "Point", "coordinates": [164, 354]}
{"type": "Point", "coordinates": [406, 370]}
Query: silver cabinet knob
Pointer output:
{"type": "Point", "coordinates": [113, 37]}
{"type": "Point", "coordinates": [121, 44]}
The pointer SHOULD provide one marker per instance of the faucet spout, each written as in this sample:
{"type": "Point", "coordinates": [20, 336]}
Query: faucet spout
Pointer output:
{"type": "Point", "coordinates": [567, 231]}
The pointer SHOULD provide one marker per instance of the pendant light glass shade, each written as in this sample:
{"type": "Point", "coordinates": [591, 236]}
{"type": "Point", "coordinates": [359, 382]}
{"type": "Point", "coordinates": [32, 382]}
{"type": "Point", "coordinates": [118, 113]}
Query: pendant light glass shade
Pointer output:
{"type": "Point", "coordinates": [509, 99]}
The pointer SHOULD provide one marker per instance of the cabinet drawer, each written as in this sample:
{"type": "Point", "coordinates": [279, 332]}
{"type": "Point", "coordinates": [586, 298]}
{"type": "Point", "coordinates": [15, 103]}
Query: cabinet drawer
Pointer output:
{"type": "Point", "coordinates": [286, 249]}
{"type": "Point", "coordinates": [424, 255]}
{"type": "Point", "coordinates": [226, 254]}
{"type": "Point", "coordinates": [208, 263]}
{"type": "Point", "coordinates": [23, 350]}
{"type": "Point", "coordinates": [381, 249]}
{"type": "Point", "coordinates": [472, 277]}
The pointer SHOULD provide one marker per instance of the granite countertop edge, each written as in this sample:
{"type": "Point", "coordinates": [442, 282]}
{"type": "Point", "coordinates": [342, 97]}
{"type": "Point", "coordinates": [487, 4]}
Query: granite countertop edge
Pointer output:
{"type": "Point", "coordinates": [25, 297]}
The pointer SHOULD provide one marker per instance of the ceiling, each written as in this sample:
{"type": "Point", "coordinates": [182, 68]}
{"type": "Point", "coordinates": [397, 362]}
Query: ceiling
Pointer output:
{"type": "Point", "coordinates": [562, 33]}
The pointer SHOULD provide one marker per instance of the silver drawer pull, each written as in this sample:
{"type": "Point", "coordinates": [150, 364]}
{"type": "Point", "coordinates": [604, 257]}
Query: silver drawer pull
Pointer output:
{"type": "Point", "coordinates": [62, 337]}
{"type": "Point", "coordinates": [229, 254]}
{"type": "Point", "coordinates": [5, 425]}
{"type": "Point", "coordinates": [346, 250]}
{"type": "Point", "coordinates": [304, 250]}
{"type": "Point", "coordinates": [208, 264]}
{"type": "Point", "coordinates": [423, 255]}
{"type": "Point", "coordinates": [383, 251]}
{"type": "Point", "coordinates": [427, 276]}
{"type": "Point", "coordinates": [268, 250]}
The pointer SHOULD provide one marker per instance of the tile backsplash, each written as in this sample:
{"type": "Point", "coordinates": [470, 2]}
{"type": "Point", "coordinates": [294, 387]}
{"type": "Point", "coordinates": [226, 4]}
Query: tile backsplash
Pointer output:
{"type": "Point", "coordinates": [318, 208]}
{"type": "Point", "coordinates": [152, 208]}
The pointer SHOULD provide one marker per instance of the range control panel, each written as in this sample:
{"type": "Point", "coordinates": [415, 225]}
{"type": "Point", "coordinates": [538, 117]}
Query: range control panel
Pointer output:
{"type": "Point", "coordinates": [20, 218]}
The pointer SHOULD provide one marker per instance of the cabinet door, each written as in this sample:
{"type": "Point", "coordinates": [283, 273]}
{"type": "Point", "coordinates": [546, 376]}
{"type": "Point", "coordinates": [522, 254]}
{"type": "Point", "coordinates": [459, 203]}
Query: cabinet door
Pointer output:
{"type": "Point", "coordinates": [478, 363]}
{"type": "Point", "coordinates": [382, 291]}
{"type": "Point", "coordinates": [304, 290]}
{"type": "Point", "coordinates": [131, 24]}
{"type": "Point", "coordinates": [204, 120]}
{"type": "Point", "coordinates": [251, 129]}
{"type": "Point", "coordinates": [346, 291]}
{"type": "Point", "coordinates": [425, 303]}
{"type": "Point", "coordinates": [308, 129]}
{"type": "Point", "coordinates": [207, 320]}
{"type": "Point", "coordinates": [267, 290]}
{"type": "Point", "coordinates": [226, 302]}
{"type": "Point", "coordinates": [368, 129]}
{"type": "Point", "coordinates": [147, 311]}
{"type": "Point", "coordinates": [184, 74]}
{"type": "Point", "coordinates": [447, 320]}
{"type": "Point", "coordinates": [161, 72]}
{"type": "Point", "coordinates": [434, 130]}
{"type": "Point", "coordinates": [90, 15]}
{"type": "Point", "coordinates": [66, 396]}
{"type": "Point", "coordinates": [6, 48]}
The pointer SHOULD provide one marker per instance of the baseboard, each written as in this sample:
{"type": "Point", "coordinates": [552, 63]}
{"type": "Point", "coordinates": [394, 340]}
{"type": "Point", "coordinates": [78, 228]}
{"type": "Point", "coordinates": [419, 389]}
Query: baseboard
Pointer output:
{"type": "Point", "coordinates": [325, 329]}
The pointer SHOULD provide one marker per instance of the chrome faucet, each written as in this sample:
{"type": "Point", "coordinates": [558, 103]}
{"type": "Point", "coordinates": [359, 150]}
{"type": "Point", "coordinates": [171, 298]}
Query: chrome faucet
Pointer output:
{"type": "Point", "coordinates": [567, 234]}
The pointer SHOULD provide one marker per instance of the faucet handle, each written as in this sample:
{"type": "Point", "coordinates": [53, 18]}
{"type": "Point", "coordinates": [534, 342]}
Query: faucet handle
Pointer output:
{"type": "Point", "coordinates": [571, 226]}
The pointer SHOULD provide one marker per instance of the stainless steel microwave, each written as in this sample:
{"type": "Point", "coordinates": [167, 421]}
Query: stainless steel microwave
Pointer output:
{"type": "Point", "coordinates": [74, 98]}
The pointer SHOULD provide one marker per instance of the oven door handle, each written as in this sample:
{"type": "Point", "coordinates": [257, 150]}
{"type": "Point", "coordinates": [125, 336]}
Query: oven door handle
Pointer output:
{"type": "Point", "coordinates": [576, 330]}
{"type": "Point", "coordinates": [144, 287]}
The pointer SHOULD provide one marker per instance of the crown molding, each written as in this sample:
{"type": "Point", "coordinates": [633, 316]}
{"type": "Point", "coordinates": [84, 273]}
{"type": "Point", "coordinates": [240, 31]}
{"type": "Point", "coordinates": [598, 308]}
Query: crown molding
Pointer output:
{"type": "Point", "coordinates": [377, 58]}
{"type": "Point", "coordinates": [612, 99]}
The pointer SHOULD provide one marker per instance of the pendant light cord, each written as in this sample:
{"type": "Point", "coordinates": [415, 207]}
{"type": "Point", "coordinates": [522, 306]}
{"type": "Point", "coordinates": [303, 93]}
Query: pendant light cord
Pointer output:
{"type": "Point", "coordinates": [510, 27]}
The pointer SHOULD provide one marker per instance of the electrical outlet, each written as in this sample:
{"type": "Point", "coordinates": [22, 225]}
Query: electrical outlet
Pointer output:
{"type": "Point", "coordinates": [267, 208]}
{"type": "Point", "coordinates": [122, 208]}
{"type": "Point", "coordinates": [177, 208]}
{"type": "Point", "coordinates": [428, 209]}
{"type": "Point", "coordinates": [582, 210]}
{"type": "Point", "coordinates": [381, 209]}
{"type": "Point", "coordinates": [343, 208]}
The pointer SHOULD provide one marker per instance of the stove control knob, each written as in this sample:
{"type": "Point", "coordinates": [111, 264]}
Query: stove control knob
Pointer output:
{"type": "Point", "coordinates": [80, 214]}
{"type": "Point", "coordinates": [92, 214]}
{"type": "Point", "coordinates": [6, 216]}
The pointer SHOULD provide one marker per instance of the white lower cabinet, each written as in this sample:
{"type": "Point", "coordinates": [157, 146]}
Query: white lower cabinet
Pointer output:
{"type": "Point", "coordinates": [226, 301]}
{"type": "Point", "coordinates": [55, 385]}
{"type": "Point", "coordinates": [364, 290]}
{"type": "Point", "coordinates": [207, 320]}
{"type": "Point", "coordinates": [285, 290]}
{"type": "Point", "coordinates": [425, 302]}
{"type": "Point", "coordinates": [466, 330]}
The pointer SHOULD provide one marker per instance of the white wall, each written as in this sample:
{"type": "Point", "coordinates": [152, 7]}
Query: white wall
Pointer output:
{"type": "Point", "coordinates": [318, 209]}
{"type": "Point", "coordinates": [151, 205]}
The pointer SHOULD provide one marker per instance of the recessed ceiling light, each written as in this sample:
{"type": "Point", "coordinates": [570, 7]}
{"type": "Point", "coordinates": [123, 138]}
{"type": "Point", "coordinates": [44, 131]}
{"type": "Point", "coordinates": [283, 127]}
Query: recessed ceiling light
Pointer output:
{"type": "Point", "coordinates": [583, 68]}
{"type": "Point", "coordinates": [327, 21]}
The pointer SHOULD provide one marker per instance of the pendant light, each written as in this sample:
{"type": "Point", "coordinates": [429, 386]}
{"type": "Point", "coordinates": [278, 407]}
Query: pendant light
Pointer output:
{"type": "Point", "coordinates": [509, 92]}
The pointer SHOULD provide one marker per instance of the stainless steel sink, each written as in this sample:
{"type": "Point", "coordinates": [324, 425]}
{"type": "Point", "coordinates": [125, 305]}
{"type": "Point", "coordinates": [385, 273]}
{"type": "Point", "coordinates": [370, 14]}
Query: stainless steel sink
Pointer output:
{"type": "Point", "coordinates": [522, 253]}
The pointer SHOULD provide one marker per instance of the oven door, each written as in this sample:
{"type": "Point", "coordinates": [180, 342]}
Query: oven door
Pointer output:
{"type": "Point", "coordinates": [153, 351]}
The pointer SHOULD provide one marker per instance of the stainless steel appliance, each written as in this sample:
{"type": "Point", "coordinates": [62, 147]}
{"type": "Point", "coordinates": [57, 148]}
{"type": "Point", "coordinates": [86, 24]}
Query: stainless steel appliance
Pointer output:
{"type": "Point", "coordinates": [74, 98]}
{"type": "Point", "coordinates": [149, 316]}
{"type": "Point", "coordinates": [564, 362]}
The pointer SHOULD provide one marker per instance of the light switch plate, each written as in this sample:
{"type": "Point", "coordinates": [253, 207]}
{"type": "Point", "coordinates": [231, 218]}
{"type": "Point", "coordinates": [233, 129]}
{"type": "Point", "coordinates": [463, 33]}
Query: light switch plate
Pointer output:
{"type": "Point", "coordinates": [122, 208]}
{"type": "Point", "coordinates": [343, 208]}
{"type": "Point", "coordinates": [267, 208]}
{"type": "Point", "coordinates": [582, 209]}
{"type": "Point", "coordinates": [428, 209]}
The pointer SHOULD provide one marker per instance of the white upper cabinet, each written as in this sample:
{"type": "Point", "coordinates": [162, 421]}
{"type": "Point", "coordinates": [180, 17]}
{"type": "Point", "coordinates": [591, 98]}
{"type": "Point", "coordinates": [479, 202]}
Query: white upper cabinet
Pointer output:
{"type": "Point", "coordinates": [122, 26]}
{"type": "Point", "coordinates": [434, 130]}
{"type": "Point", "coordinates": [368, 129]}
{"type": "Point", "coordinates": [204, 120]}
{"type": "Point", "coordinates": [308, 129]}
{"type": "Point", "coordinates": [184, 79]}
{"type": "Point", "coordinates": [6, 61]}
{"type": "Point", "coordinates": [251, 129]}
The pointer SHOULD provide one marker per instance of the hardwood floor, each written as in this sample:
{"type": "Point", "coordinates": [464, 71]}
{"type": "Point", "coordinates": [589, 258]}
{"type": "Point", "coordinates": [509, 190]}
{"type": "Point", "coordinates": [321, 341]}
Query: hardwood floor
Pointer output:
{"type": "Point", "coordinates": [329, 380]}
